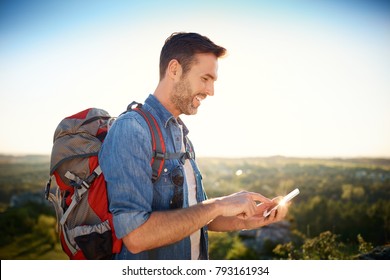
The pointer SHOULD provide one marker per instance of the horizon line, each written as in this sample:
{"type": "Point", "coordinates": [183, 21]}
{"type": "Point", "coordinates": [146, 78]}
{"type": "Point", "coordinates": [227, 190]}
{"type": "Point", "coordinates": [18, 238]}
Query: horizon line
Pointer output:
{"type": "Point", "coordinates": [228, 157]}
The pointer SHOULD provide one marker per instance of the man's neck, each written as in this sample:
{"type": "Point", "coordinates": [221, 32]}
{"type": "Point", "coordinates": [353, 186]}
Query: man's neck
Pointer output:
{"type": "Point", "coordinates": [162, 93]}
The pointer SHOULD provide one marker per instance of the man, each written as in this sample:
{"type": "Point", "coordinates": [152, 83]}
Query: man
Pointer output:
{"type": "Point", "coordinates": [170, 218]}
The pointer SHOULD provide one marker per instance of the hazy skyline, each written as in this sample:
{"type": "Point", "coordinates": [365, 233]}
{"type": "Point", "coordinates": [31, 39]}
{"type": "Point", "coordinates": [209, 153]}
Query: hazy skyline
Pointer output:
{"type": "Point", "coordinates": [302, 78]}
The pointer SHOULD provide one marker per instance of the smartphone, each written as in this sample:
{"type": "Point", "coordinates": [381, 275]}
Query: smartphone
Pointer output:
{"type": "Point", "coordinates": [284, 200]}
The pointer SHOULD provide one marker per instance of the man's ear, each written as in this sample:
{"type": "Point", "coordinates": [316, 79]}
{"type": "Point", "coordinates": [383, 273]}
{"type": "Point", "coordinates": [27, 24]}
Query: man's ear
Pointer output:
{"type": "Point", "coordinates": [174, 70]}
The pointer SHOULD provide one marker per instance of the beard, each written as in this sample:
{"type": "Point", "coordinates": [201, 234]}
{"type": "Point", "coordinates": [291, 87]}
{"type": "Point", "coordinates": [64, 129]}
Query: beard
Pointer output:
{"type": "Point", "coordinates": [183, 98]}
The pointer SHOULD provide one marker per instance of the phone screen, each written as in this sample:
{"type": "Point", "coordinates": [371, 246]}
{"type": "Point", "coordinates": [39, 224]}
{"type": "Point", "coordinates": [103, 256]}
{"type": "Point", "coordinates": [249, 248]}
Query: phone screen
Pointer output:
{"type": "Point", "coordinates": [284, 200]}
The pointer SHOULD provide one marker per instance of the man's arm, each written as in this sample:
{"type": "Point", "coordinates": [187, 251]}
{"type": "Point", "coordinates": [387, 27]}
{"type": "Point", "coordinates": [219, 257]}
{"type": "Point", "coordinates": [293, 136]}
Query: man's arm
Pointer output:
{"type": "Point", "coordinates": [167, 227]}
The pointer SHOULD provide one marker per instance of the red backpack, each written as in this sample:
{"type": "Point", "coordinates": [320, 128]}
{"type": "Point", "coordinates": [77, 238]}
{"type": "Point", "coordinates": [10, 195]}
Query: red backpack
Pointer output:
{"type": "Point", "coordinates": [80, 198]}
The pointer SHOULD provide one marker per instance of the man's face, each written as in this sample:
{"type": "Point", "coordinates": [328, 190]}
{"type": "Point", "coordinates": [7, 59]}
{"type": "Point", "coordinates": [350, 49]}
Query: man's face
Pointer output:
{"type": "Point", "coordinates": [196, 84]}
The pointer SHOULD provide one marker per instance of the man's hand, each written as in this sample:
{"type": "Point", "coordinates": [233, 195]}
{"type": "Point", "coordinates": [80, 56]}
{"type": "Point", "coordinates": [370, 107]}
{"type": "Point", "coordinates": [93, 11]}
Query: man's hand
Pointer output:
{"type": "Point", "coordinates": [242, 204]}
{"type": "Point", "coordinates": [258, 220]}
{"type": "Point", "coordinates": [254, 220]}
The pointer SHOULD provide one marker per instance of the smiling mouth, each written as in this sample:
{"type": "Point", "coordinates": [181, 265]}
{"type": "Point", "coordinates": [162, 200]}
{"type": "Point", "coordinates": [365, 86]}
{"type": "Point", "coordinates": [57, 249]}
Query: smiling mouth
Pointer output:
{"type": "Point", "coordinates": [200, 98]}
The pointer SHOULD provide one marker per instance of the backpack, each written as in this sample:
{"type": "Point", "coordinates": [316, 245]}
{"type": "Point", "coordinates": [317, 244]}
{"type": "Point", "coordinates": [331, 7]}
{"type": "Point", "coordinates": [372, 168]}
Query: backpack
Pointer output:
{"type": "Point", "coordinates": [84, 222]}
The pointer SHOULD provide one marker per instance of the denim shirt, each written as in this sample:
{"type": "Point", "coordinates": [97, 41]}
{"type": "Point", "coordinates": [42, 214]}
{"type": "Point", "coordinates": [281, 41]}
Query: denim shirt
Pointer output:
{"type": "Point", "coordinates": [125, 161]}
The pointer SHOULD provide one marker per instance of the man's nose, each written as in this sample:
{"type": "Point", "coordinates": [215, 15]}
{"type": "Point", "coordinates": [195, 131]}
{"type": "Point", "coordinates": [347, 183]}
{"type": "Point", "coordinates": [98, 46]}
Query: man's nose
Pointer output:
{"type": "Point", "coordinates": [210, 89]}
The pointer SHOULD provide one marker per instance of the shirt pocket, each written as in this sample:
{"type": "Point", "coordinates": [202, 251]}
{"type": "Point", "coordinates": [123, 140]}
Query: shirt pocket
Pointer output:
{"type": "Point", "coordinates": [164, 188]}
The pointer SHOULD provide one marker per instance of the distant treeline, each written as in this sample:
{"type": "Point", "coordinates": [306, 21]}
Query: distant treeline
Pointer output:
{"type": "Point", "coordinates": [20, 174]}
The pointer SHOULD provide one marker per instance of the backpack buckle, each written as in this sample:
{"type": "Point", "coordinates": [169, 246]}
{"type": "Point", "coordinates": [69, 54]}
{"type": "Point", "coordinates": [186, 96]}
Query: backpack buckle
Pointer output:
{"type": "Point", "coordinates": [75, 181]}
{"type": "Point", "coordinates": [159, 155]}
{"type": "Point", "coordinates": [133, 105]}
{"type": "Point", "coordinates": [186, 155]}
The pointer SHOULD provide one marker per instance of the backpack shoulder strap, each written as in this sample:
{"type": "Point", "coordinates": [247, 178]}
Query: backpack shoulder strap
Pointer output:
{"type": "Point", "coordinates": [158, 144]}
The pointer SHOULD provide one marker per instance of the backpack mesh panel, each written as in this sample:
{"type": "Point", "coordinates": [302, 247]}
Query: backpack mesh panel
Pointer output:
{"type": "Point", "coordinates": [85, 215]}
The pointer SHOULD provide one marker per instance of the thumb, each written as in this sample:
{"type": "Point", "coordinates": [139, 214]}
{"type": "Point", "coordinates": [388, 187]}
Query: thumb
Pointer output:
{"type": "Point", "coordinates": [260, 198]}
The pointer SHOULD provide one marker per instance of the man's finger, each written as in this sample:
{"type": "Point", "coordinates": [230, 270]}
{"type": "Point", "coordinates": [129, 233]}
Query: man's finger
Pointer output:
{"type": "Point", "coordinates": [258, 197]}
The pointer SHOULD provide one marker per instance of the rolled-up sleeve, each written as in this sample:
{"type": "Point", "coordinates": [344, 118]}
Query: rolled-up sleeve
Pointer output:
{"type": "Point", "coordinates": [125, 161]}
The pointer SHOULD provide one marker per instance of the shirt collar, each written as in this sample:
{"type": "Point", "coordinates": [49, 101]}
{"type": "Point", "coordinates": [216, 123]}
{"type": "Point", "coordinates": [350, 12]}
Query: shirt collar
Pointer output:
{"type": "Point", "coordinates": [185, 129]}
{"type": "Point", "coordinates": [155, 106]}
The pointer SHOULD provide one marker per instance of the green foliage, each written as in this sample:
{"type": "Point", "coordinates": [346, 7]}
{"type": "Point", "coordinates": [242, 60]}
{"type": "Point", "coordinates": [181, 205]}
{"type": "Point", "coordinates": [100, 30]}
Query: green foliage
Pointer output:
{"type": "Point", "coordinates": [291, 250]}
{"type": "Point", "coordinates": [219, 244]}
{"type": "Point", "coordinates": [240, 252]}
{"type": "Point", "coordinates": [287, 251]}
{"type": "Point", "coordinates": [32, 247]}
{"type": "Point", "coordinates": [364, 247]}
{"type": "Point", "coordinates": [228, 246]}
{"type": "Point", "coordinates": [29, 232]}
{"type": "Point", "coordinates": [323, 247]}
{"type": "Point", "coordinates": [326, 246]}
{"type": "Point", "coordinates": [20, 220]}
{"type": "Point", "coordinates": [45, 228]}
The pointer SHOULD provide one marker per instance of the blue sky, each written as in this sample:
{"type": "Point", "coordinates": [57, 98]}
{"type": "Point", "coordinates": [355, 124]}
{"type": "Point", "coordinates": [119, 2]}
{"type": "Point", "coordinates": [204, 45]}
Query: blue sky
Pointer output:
{"type": "Point", "coordinates": [302, 78]}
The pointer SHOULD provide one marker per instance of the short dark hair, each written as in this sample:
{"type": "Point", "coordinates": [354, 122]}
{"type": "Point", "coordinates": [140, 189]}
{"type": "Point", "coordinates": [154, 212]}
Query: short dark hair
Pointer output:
{"type": "Point", "coordinates": [183, 47]}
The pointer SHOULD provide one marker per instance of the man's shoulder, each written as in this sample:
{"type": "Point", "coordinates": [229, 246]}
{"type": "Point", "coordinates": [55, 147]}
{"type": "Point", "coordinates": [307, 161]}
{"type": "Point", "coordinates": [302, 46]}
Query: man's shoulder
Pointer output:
{"type": "Point", "coordinates": [131, 117]}
{"type": "Point", "coordinates": [130, 124]}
